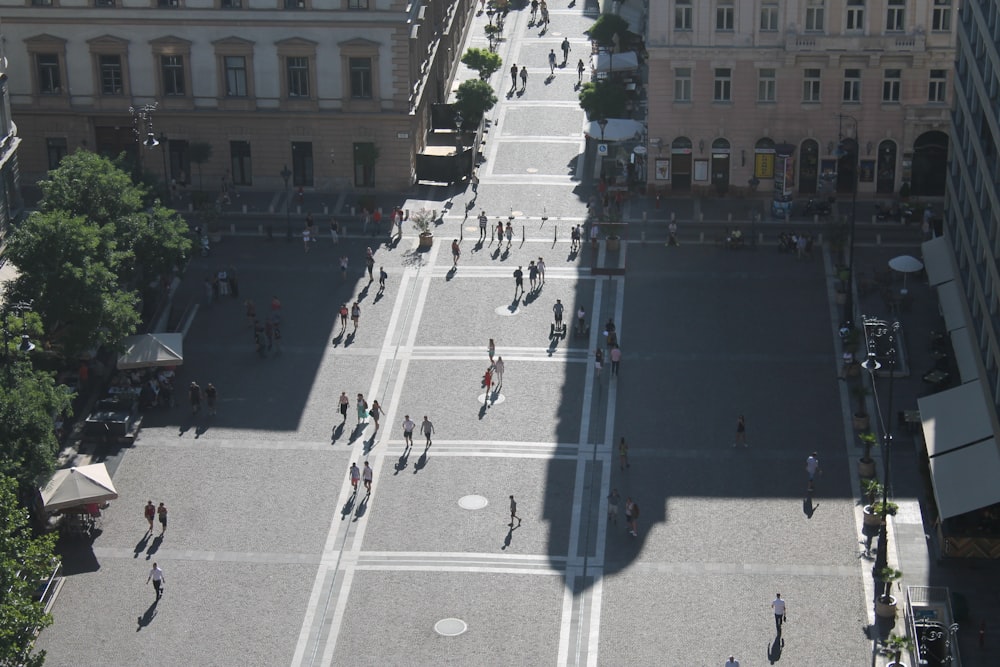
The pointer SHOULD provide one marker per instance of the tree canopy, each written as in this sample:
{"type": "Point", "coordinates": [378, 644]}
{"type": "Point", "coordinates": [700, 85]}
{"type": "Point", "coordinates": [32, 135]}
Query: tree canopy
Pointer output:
{"type": "Point", "coordinates": [92, 186]}
{"type": "Point", "coordinates": [605, 28]}
{"type": "Point", "coordinates": [473, 99]}
{"type": "Point", "coordinates": [483, 61]}
{"type": "Point", "coordinates": [602, 99]}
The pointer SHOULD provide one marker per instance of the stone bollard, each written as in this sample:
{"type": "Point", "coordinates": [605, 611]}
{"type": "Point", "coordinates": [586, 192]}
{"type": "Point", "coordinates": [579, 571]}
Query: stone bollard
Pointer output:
{"type": "Point", "coordinates": [729, 217]}
{"type": "Point", "coordinates": [701, 217]}
{"type": "Point", "coordinates": [298, 209]}
{"type": "Point", "coordinates": [244, 209]}
{"type": "Point", "coordinates": [326, 210]}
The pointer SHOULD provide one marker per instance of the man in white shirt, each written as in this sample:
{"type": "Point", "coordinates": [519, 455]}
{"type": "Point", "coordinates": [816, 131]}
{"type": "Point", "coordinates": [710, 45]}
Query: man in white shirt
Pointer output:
{"type": "Point", "coordinates": [156, 576]}
{"type": "Point", "coordinates": [408, 427]}
{"type": "Point", "coordinates": [779, 611]}
{"type": "Point", "coordinates": [732, 662]}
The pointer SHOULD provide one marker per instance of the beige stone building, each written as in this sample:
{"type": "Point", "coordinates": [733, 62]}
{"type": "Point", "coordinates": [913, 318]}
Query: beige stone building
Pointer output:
{"type": "Point", "coordinates": [856, 91]}
{"type": "Point", "coordinates": [10, 140]}
{"type": "Point", "coordinates": [338, 90]}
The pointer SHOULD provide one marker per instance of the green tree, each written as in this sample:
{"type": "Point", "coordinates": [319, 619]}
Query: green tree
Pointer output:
{"type": "Point", "coordinates": [67, 269]}
{"type": "Point", "coordinates": [483, 61]}
{"type": "Point", "coordinates": [473, 99]}
{"type": "Point", "coordinates": [29, 401]}
{"type": "Point", "coordinates": [602, 99]}
{"type": "Point", "coordinates": [606, 27]}
{"type": "Point", "coordinates": [92, 186]}
{"type": "Point", "coordinates": [200, 152]}
{"type": "Point", "coordinates": [24, 561]}
{"type": "Point", "coordinates": [154, 242]}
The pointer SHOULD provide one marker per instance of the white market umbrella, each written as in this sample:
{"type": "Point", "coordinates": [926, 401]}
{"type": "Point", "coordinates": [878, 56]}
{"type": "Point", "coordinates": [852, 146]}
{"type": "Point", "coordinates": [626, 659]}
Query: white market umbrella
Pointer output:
{"type": "Point", "coordinates": [905, 264]}
{"type": "Point", "coordinates": [70, 487]}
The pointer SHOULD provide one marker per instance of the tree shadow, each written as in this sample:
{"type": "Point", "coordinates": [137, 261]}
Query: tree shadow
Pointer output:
{"type": "Point", "coordinates": [154, 546]}
{"type": "Point", "coordinates": [402, 462]}
{"type": "Point", "coordinates": [147, 617]}
{"type": "Point", "coordinates": [348, 507]}
{"type": "Point", "coordinates": [774, 650]}
{"type": "Point", "coordinates": [415, 257]}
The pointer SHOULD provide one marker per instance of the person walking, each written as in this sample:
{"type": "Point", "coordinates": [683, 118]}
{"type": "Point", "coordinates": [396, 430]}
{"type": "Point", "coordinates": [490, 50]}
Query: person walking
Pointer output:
{"type": "Point", "coordinates": [812, 469]}
{"type": "Point", "coordinates": [491, 349]}
{"type": "Point", "coordinates": [552, 62]}
{"type": "Point", "coordinates": [362, 408]}
{"type": "Point", "coordinates": [149, 511]}
{"type": "Point", "coordinates": [382, 277]}
{"type": "Point", "coordinates": [579, 71]}
{"type": "Point", "coordinates": [524, 79]}
{"type": "Point", "coordinates": [366, 475]}
{"type": "Point", "coordinates": [156, 576]}
{"type": "Point", "coordinates": [343, 266]}
{"type": "Point", "coordinates": [616, 359]}
{"type": "Point", "coordinates": [456, 252]}
{"type": "Point", "coordinates": [211, 394]}
{"type": "Point", "coordinates": [574, 239]}
{"type": "Point", "coordinates": [408, 427]}
{"type": "Point", "coordinates": [499, 233]}
{"type": "Point", "coordinates": [355, 476]}
{"type": "Point", "coordinates": [732, 662]}
{"type": "Point", "coordinates": [534, 10]}
{"type": "Point", "coordinates": [532, 275]}
{"type": "Point", "coordinates": [345, 402]}
{"type": "Point", "coordinates": [276, 334]}
{"type": "Point", "coordinates": [334, 231]}
{"type": "Point", "coordinates": [194, 394]}
{"type": "Point", "coordinates": [161, 513]}
{"type": "Point", "coordinates": [509, 233]}
{"type": "Point", "coordinates": [778, 605]}
{"type": "Point", "coordinates": [741, 431]}
{"type": "Point", "coordinates": [518, 282]}
{"type": "Point", "coordinates": [599, 361]}
{"type": "Point", "coordinates": [513, 512]}
{"type": "Point", "coordinates": [593, 235]}
{"type": "Point", "coordinates": [343, 316]}
{"type": "Point", "coordinates": [557, 312]}
{"type": "Point", "coordinates": [375, 411]}
{"type": "Point", "coordinates": [427, 428]}
{"type": "Point", "coordinates": [487, 383]}
{"type": "Point", "coordinates": [483, 220]}
{"type": "Point", "coordinates": [565, 49]}
{"type": "Point", "coordinates": [513, 76]}
{"type": "Point", "coordinates": [613, 500]}
{"type": "Point", "coordinates": [498, 370]}
{"type": "Point", "coordinates": [541, 269]}
{"type": "Point", "coordinates": [623, 454]}
{"type": "Point", "coordinates": [306, 237]}
{"type": "Point", "coordinates": [370, 264]}
{"type": "Point", "coordinates": [628, 513]}
{"type": "Point", "coordinates": [355, 316]}
{"type": "Point", "coordinates": [633, 523]}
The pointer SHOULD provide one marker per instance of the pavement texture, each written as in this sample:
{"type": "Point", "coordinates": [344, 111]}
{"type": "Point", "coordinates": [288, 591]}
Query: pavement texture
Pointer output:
{"type": "Point", "coordinates": [271, 558]}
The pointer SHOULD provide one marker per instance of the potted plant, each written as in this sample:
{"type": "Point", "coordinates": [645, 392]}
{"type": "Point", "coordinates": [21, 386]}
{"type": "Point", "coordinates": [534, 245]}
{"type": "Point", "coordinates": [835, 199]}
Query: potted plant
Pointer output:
{"type": "Point", "coordinates": [861, 419]}
{"type": "Point", "coordinates": [872, 489]}
{"type": "Point", "coordinates": [885, 605]}
{"type": "Point", "coordinates": [422, 221]}
{"type": "Point", "coordinates": [613, 240]}
{"type": "Point", "coordinates": [896, 645]}
{"type": "Point", "coordinates": [866, 465]}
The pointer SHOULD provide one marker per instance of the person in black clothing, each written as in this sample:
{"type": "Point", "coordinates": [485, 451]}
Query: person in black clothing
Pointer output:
{"type": "Point", "coordinates": [518, 282]}
{"type": "Point", "coordinates": [194, 393]}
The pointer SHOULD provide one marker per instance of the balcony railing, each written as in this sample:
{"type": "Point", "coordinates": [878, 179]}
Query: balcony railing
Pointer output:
{"type": "Point", "coordinates": [855, 43]}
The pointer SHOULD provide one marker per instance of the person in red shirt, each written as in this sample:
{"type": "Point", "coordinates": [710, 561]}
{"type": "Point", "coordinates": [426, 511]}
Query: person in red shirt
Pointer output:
{"type": "Point", "coordinates": [488, 383]}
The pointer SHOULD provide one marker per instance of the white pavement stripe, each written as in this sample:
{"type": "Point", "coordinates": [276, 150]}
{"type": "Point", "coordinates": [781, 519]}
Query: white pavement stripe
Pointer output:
{"type": "Point", "coordinates": [215, 556]}
{"type": "Point", "coordinates": [697, 569]}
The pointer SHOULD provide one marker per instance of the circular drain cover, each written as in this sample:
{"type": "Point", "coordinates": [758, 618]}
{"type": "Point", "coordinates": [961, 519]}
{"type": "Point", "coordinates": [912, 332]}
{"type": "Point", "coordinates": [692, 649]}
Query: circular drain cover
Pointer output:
{"type": "Point", "coordinates": [506, 311]}
{"type": "Point", "coordinates": [450, 627]}
{"type": "Point", "coordinates": [497, 399]}
{"type": "Point", "coordinates": [470, 503]}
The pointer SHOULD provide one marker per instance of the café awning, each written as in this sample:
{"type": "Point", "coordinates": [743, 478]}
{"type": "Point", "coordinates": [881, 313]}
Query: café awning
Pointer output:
{"type": "Point", "coordinates": [937, 260]}
{"type": "Point", "coordinates": [950, 303]}
{"type": "Point", "coordinates": [954, 418]}
{"type": "Point", "coordinates": [965, 358]}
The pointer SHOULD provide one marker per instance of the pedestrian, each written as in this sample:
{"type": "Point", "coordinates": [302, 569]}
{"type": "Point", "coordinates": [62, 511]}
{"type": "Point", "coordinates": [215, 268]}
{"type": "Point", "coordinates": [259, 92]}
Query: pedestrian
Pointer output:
{"type": "Point", "coordinates": [524, 78]}
{"type": "Point", "coordinates": [565, 49]}
{"type": "Point", "coordinates": [812, 469]}
{"type": "Point", "coordinates": [275, 308]}
{"type": "Point", "coordinates": [343, 316]}
{"type": "Point", "coordinates": [509, 233]}
{"type": "Point", "coordinates": [499, 233]}
{"type": "Point", "coordinates": [574, 239]}
{"type": "Point", "coordinates": [375, 411]}
{"type": "Point", "coordinates": [362, 408]}
{"type": "Point", "coordinates": [732, 662]}
{"type": "Point", "coordinates": [408, 427]}
{"type": "Point", "coordinates": [741, 432]}
{"type": "Point", "coordinates": [376, 221]}
{"type": "Point", "coordinates": [628, 513]}
{"type": "Point", "coordinates": [557, 312]}
{"type": "Point", "coordinates": [541, 269]}
{"type": "Point", "coordinates": [518, 282]}
{"type": "Point", "coordinates": [276, 334]}
{"type": "Point", "coordinates": [258, 338]}
{"type": "Point", "coordinates": [623, 454]}
{"type": "Point", "coordinates": [498, 370]}
{"type": "Point", "coordinates": [355, 476]}
{"type": "Point", "coordinates": [545, 14]}
{"type": "Point", "coordinates": [345, 402]}
{"type": "Point", "coordinates": [370, 264]}
{"type": "Point", "coordinates": [211, 394]}
{"type": "Point", "coordinates": [223, 282]}
{"type": "Point", "coordinates": [513, 512]}
{"type": "Point", "coordinates": [161, 513]}
{"type": "Point", "coordinates": [532, 275]}
{"type": "Point", "coordinates": [779, 611]}
{"type": "Point", "coordinates": [355, 315]}
{"type": "Point", "coordinates": [427, 428]}
{"type": "Point", "coordinates": [456, 252]}
{"type": "Point", "coordinates": [579, 70]}
{"type": "Point", "coordinates": [491, 349]}
{"type": "Point", "coordinates": [616, 359]}
{"type": "Point", "coordinates": [593, 236]}
{"type": "Point", "coordinates": [366, 475]}
{"type": "Point", "coordinates": [487, 383]}
{"type": "Point", "coordinates": [149, 511]}
{"type": "Point", "coordinates": [306, 238]}
{"type": "Point", "coordinates": [483, 221]}
{"type": "Point", "coordinates": [599, 361]}
{"type": "Point", "coordinates": [613, 499]}
{"type": "Point", "coordinates": [209, 292]}
{"type": "Point", "coordinates": [334, 231]}
{"type": "Point", "coordinates": [382, 277]}
{"type": "Point", "coordinates": [156, 576]}
{"type": "Point", "coordinates": [343, 267]}
{"type": "Point", "coordinates": [552, 62]}
{"type": "Point", "coordinates": [534, 9]}
{"type": "Point", "coordinates": [194, 393]}
{"type": "Point", "coordinates": [581, 321]}
{"type": "Point", "coordinates": [633, 523]}
{"type": "Point", "coordinates": [513, 76]}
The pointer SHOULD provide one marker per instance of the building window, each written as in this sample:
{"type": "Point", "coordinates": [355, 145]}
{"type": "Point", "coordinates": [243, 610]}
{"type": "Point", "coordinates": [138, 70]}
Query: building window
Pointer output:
{"type": "Point", "coordinates": [769, 17]}
{"type": "Point", "coordinates": [231, 4]}
{"type": "Point", "coordinates": [895, 16]}
{"type": "Point", "coordinates": [941, 18]}
{"type": "Point", "coordinates": [55, 148]}
{"type": "Point", "coordinates": [297, 70]}
{"type": "Point", "coordinates": [937, 87]}
{"type": "Point", "coordinates": [294, 4]}
{"type": "Point", "coordinates": [49, 77]}
{"type": "Point", "coordinates": [172, 70]}
{"type": "Point", "coordinates": [112, 81]}
{"type": "Point", "coordinates": [723, 84]}
{"type": "Point", "coordinates": [815, 15]}
{"type": "Point", "coordinates": [361, 78]}
{"type": "Point", "coordinates": [891, 84]}
{"type": "Point", "coordinates": [724, 15]}
{"type": "Point", "coordinates": [682, 84]}
{"type": "Point", "coordinates": [856, 15]}
{"type": "Point", "coordinates": [852, 85]}
{"type": "Point", "coordinates": [239, 158]}
{"type": "Point", "coordinates": [682, 15]}
{"type": "Point", "coordinates": [302, 164]}
{"type": "Point", "coordinates": [811, 80]}
{"type": "Point", "coordinates": [236, 76]}
{"type": "Point", "coordinates": [41, 3]}
{"type": "Point", "coordinates": [104, 3]}
{"type": "Point", "coordinates": [766, 85]}
{"type": "Point", "coordinates": [357, 4]}
{"type": "Point", "coordinates": [167, 4]}
{"type": "Point", "coordinates": [364, 164]}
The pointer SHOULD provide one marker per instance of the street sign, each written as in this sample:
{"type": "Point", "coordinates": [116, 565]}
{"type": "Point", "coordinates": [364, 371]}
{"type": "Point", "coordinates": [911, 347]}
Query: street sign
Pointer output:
{"type": "Point", "coordinates": [602, 150]}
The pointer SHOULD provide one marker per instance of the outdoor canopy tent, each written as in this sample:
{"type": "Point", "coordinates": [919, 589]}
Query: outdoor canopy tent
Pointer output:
{"type": "Point", "coordinates": [937, 260]}
{"type": "Point", "coordinates": [71, 487]}
{"type": "Point", "coordinates": [617, 129]}
{"type": "Point", "coordinates": [151, 350]}
{"type": "Point", "coordinates": [626, 61]}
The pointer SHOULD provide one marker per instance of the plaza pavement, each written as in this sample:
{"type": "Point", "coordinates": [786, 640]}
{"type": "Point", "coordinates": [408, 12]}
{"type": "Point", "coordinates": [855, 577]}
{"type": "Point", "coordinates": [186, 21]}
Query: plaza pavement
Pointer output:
{"type": "Point", "coordinates": [271, 560]}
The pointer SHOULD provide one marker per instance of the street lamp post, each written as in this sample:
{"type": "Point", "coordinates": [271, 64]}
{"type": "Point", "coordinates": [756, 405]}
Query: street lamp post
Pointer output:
{"type": "Point", "coordinates": [603, 122]}
{"type": "Point", "coordinates": [285, 175]}
{"type": "Point", "coordinates": [875, 330]}
{"type": "Point", "coordinates": [142, 131]}
{"type": "Point", "coordinates": [848, 320]}
{"type": "Point", "coordinates": [25, 345]}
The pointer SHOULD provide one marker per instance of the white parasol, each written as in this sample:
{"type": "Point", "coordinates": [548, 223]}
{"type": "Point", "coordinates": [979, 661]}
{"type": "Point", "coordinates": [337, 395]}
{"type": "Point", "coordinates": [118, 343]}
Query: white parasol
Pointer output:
{"type": "Point", "coordinates": [905, 264]}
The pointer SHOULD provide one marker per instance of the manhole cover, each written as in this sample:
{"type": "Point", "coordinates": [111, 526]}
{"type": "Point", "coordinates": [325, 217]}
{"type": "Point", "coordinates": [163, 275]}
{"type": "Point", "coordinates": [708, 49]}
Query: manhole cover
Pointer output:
{"type": "Point", "coordinates": [450, 627]}
{"type": "Point", "coordinates": [517, 214]}
{"type": "Point", "coordinates": [471, 503]}
{"type": "Point", "coordinates": [531, 170]}
{"type": "Point", "coordinates": [496, 400]}
{"type": "Point", "coordinates": [507, 310]}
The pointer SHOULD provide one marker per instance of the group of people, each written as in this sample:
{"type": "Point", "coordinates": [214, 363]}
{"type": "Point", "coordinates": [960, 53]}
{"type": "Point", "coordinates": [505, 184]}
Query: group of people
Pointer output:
{"type": "Point", "coordinates": [539, 8]}
{"type": "Point", "coordinates": [266, 334]}
{"type": "Point", "coordinates": [223, 282]}
{"type": "Point", "coordinates": [210, 395]}
{"type": "Point", "coordinates": [493, 374]}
